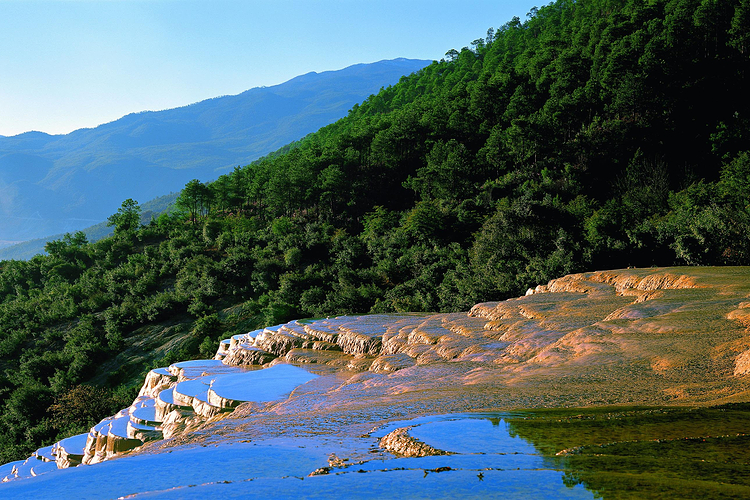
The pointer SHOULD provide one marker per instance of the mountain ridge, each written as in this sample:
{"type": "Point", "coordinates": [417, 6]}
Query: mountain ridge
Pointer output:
{"type": "Point", "coordinates": [87, 173]}
{"type": "Point", "coordinates": [147, 111]}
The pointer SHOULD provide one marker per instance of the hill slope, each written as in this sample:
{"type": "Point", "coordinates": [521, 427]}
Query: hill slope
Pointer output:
{"type": "Point", "coordinates": [28, 249]}
{"type": "Point", "coordinates": [55, 184]}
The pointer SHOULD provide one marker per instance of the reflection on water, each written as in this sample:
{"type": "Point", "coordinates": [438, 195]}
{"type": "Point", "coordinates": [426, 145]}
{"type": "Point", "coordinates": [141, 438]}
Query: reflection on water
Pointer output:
{"type": "Point", "coordinates": [616, 453]}
{"type": "Point", "coordinates": [646, 452]}
{"type": "Point", "coordinates": [486, 460]}
{"type": "Point", "coordinates": [472, 435]}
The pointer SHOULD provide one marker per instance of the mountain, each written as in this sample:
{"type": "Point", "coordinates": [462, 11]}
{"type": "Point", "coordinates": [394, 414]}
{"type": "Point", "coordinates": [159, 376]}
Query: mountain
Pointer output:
{"type": "Point", "coordinates": [28, 249]}
{"type": "Point", "coordinates": [55, 184]}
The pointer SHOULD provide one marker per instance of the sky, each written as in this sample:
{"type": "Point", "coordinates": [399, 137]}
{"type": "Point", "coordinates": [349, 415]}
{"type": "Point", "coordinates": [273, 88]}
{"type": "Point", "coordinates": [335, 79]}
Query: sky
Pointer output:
{"type": "Point", "coordinates": [66, 65]}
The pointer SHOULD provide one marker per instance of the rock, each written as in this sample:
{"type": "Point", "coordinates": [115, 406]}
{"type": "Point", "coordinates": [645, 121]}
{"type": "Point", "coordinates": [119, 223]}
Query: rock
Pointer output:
{"type": "Point", "coordinates": [70, 452]}
{"type": "Point", "coordinates": [335, 461]}
{"type": "Point", "coordinates": [144, 413]}
{"type": "Point", "coordinates": [156, 381]}
{"type": "Point", "coordinates": [223, 349]}
{"type": "Point", "coordinates": [184, 392]}
{"type": "Point", "coordinates": [180, 421]}
{"type": "Point", "coordinates": [165, 403]}
{"type": "Point", "coordinates": [248, 355]}
{"type": "Point", "coordinates": [400, 443]}
{"type": "Point", "coordinates": [325, 329]}
{"type": "Point", "coordinates": [356, 342]}
{"type": "Point", "coordinates": [742, 364]}
{"type": "Point", "coordinates": [316, 356]}
{"type": "Point", "coordinates": [118, 437]}
{"type": "Point", "coordinates": [322, 345]}
{"type": "Point", "coordinates": [189, 370]}
{"type": "Point", "coordinates": [205, 408]}
{"type": "Point", "coordinates": [143, 433]}
{"type": "Point", "coordinates": [360, 363]}
{"type": "Point", "coordinates": [277, 343]}
{"type": "Point", "coordinates": [391, 363]}
{"type": "Point", "coordinates": [320, 471]}
{"type": "Point", "coordinates": [96, 443]}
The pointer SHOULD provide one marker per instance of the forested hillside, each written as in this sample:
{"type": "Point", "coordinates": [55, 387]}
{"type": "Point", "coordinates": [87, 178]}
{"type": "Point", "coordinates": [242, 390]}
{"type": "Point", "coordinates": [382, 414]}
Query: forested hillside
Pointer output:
{"type": "Point", "coordinates": [595, 134]}
{"type": "Point", "coordinates": [53, 184]}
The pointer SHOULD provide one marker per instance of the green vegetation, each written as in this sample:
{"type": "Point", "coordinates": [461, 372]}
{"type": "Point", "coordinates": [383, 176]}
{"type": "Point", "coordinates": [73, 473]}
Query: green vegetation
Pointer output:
{"type": "Point", "coordinates": [596, 134]}
{"type": "Point", "coordinates": [646, 452]}
{"type": "Point", "coordinates": [60, 181]}
{"type": "Point", "coordinates": [28, 249]}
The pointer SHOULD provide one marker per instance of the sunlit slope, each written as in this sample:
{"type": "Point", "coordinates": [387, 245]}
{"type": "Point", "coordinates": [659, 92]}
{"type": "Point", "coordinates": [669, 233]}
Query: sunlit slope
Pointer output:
{"type": "Point", "coordinates": [673, 335]}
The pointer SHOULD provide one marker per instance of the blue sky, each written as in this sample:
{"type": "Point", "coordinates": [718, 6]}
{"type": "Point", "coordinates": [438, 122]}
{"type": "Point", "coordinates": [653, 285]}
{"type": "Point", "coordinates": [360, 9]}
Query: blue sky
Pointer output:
{"type": "Point", "coordinates": [71, 64]}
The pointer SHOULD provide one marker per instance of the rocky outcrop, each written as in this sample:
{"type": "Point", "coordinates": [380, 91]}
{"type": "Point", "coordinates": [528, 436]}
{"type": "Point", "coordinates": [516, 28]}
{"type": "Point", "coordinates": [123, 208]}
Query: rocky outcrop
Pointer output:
{"type": "Point", "coordinates": [400, 443]}
{"type": "Point", "coordinates": [69, 452]}
{"type": "Point", "coordinates": [277, 342]}
{"type": "Point", "coordinates": [173, 400]}
{"type": "Point", "coordinates": [554, 323]}
{"type": "Point", "coordinates": [392, 362]}
{"type": "Point", "coordinates": [355, 342]}
{"type": "Point", "coordinates": [627, 282]}
{"type": "Point", "coordinates": [247, 355]}
{"type": "Point", "coordinates": [179, 421]}
{"type": "Point", "coordinates": [114, 435]}
{"type": "Point", "coordinates": [156, 381]}
{"type": "Point", "coordinates": [742, 364]}
{"type": "Point", "coordinates": [316, 356]}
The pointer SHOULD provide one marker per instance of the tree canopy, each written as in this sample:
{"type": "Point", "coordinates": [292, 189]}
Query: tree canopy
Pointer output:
{"type": "Point", "coordinates": [127, 218]}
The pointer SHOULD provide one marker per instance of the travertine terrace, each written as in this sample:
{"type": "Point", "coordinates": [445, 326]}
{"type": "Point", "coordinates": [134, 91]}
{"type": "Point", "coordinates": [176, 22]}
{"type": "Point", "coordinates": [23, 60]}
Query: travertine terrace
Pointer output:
{"type": "Point", "coordinates": [659, 336]}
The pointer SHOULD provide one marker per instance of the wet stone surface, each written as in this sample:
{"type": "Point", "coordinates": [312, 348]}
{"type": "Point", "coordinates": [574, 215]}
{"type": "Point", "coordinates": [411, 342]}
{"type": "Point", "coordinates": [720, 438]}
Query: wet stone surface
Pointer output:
{"type": "Point", "coordinates": [654, 338]}
{"type": "Point", "coordinates": [328, 467]}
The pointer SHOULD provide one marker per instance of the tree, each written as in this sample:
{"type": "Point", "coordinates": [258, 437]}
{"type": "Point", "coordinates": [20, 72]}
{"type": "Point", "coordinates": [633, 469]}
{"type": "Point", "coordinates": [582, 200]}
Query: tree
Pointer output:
{"type": "Point", "coordinates": [127, 218]}
{"type": "Point", "coordinates": [67, 247]}
{"type": "Point", "coordinates": [196, 199]}
{"type": "Point", "coordinates": [490, 36]}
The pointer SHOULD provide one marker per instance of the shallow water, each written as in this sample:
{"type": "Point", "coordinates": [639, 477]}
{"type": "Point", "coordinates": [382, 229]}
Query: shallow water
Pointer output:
{"type": "Point", "coordinates": [413, 484]}
{"type": "Point", "coordinates": [472, 435]}
{"type": "Point", "coordinates": [75, 444]}
{"type": "Point", "coordinates": [488, 462]}
{"type": "Point", "coordinates": [173, 469]}
{"type": "Point", "coordinates": [268, 384]}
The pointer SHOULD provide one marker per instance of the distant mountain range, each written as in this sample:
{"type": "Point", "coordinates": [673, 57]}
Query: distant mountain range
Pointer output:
{"type": "Point", "coordinates": [28, 249]}
{"type": "Point", "coordinates": [51, 184]}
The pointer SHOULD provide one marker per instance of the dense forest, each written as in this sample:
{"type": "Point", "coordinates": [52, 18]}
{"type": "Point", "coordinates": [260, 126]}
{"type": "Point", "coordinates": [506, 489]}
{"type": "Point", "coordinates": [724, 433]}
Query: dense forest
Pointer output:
{"type": "Point", "coordinates": [594, 134]}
